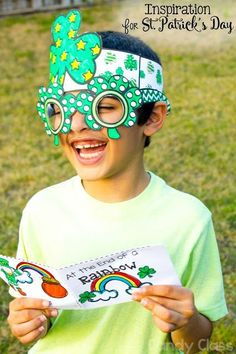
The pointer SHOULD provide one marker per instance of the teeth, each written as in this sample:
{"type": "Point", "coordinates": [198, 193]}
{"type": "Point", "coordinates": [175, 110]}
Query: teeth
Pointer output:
{"type": "Point", "coordinates": [90, 156]}
{"type": "Point", "coordinates": [87, 146]}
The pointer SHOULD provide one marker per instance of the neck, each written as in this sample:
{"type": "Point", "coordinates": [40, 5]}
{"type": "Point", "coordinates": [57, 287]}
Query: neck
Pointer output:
{"type": "Point", "coordinates": [118, 188]}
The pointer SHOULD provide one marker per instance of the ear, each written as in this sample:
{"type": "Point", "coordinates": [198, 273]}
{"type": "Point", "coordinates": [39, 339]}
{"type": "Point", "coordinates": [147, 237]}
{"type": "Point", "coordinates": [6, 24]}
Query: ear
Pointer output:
{"type": "Point", "coordinates": [156, 119]}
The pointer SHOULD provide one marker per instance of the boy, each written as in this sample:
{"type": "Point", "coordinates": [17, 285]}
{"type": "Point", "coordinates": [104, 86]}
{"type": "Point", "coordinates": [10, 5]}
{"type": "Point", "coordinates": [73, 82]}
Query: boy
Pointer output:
{"type": "Point", "coordinates": [104, 103]}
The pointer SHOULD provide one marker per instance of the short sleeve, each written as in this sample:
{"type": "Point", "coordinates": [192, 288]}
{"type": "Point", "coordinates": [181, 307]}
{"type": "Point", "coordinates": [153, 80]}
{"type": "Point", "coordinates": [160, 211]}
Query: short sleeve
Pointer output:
{"type": "Point", "coordinates": [21, 252]}
{"type": "Point", "coordinates": [204, 275]}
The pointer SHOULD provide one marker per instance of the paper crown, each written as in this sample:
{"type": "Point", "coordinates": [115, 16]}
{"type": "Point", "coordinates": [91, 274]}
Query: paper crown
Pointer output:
{"type": "Point", "coordinates": [76, 59]}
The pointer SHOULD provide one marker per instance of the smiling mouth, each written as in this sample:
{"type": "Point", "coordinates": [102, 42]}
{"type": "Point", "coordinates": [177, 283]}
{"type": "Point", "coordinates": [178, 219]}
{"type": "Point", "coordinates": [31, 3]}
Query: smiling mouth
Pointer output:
{"type": "Point", "coordinates": [90, 151]}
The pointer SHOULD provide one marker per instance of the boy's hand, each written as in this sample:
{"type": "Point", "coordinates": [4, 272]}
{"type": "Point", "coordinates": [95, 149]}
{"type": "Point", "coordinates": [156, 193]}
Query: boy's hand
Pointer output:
{"type": "Point", "coordinates": [172, 306]}
{"type": "Point", "coordinates": [29, 318]}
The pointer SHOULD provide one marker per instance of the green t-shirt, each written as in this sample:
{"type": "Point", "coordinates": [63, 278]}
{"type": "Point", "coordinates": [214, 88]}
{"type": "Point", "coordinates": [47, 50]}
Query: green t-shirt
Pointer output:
{"type": "Point", "coordinates": [62, 225]}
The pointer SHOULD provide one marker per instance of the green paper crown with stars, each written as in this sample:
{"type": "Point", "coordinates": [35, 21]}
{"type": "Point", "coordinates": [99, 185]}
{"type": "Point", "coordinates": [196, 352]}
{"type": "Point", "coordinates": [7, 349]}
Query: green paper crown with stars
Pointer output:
{"type": "Point", "coordinates": [79, 63]}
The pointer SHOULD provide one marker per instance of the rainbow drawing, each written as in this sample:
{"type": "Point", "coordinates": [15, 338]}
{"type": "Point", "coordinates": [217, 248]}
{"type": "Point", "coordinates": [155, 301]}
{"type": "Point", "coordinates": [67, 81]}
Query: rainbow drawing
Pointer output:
{"type": "Point", "coordinates": [43, 272]}
{"type": "Point", "coordinates": [99, 284]}
{"type": "Point", "coordinates": [50, 285]}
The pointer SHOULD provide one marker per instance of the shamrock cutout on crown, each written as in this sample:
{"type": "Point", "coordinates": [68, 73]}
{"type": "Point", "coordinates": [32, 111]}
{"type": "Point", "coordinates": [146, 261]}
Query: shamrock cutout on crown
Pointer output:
{"type": "Point", "coordinates": [72, 53]}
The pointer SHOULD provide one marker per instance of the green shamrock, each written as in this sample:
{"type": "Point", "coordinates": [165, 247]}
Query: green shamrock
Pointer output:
{"type": "Point", "coordinates": [159, 77]}
{"type": "Point", "coordinates": [130, 62]}
{"type": "Point", "coordinates": [4, 262]}
{"type": "Point", "coordinates": [107, 75]}
{"type": "Point", "coordinates": [86, 296]}
{"type": "Point", "coordinates": [72, 53]}
{"type": "Point", "coordinates": [117, 86]}
{"type": "Point", "coordinates": [146, 272]}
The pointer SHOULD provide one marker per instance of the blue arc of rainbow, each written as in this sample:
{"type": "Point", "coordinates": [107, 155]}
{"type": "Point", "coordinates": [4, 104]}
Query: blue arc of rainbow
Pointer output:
{"type": "Point", "coordinates": [99, 284]}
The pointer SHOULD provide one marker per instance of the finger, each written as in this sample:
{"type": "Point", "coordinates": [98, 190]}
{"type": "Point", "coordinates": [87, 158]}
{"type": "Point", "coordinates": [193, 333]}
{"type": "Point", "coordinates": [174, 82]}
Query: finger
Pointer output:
{"type": "Point", "coordinates": [170, 291]}
{"type": "Point", "coordinates": [164, 326]}
{"type": "Point", "coordinates": [23, 316]}
{"type": "Point", "coordinates": [29, 314]}
{"type": "Point", "coordinates": [186, 308]}
{"type": "Point", "coordinates": [163, 313]}
{"type": "Point", "coordinates": [20, 330]}
{"type": "Point", "coordinates": [29, 303]}
{"type": "Point", "coordinates": [33, 336]}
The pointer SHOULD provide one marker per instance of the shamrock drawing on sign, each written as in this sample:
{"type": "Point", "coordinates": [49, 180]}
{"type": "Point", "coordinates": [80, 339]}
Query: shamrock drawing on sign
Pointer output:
{"type": "Point", "coordinates": [146, 272]}
{"type": "Point", "coordinates": [86, 296]}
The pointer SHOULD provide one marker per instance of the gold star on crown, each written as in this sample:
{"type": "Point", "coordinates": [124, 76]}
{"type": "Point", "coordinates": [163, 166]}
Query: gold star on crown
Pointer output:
{"type": "Point", "coordinates": [72, 17]}
{"type": "Point", "coordinates": [58, 42]}
{"type": "Point", "coordinates": [63, 56]}
{"type": "Point", "coordinates": [96, 50]}
{"type": "Point", "coordinates": [58, 27]}
{"type": "Point", "coordinates": [81, 45]}
{"type": "Point", "coordinates": [71, 34]}
{"type": "Point", "coordinates": [75, 64]}
{"type": "Point", "coordinates": [54, 59]}
{"type": "Point", "coordinates": [88, 75]}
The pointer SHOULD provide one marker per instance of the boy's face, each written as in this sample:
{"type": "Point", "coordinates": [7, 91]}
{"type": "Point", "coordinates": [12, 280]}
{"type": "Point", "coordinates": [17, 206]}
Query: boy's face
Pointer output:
{"type": "Point", "coordinates": [93, 154]}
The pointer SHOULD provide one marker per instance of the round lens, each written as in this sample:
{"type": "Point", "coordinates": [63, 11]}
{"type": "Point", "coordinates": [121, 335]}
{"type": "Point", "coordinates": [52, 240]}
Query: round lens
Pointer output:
{"type": "Point", "coordinates": [110, 109]}
{"type": "Point", "coordinates": [54, 115]}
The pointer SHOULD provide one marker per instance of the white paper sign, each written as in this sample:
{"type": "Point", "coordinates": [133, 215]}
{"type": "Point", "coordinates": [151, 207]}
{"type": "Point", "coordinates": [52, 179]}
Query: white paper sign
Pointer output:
{"type": "Point", "coordinates": [90, 284]}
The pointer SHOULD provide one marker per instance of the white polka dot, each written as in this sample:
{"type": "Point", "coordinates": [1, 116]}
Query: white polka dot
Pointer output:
{"type": "Point", "coordinates": [113, 84]}
{"type": "Point", "coordinates": [72, 109]}
{"type": "Point", "coordinates": [140, 100]}
{"type": "Point", "coordinates": [122, 88]}
{"type": "Point", "coordinates": [72, 100]}
{"type": "Point", "coordinates": [95, 125]}
{"type": "Point", "coordinates": [83, 96]}
{"type": "Point", "coordinates": [124, 79]}
{"type": "Point", "coordinates": [129, 95]}
{"type": "Point", "coordinates": [67, 121]}
{"type": "Point", "coordinates": [45, 97]}
{"type": "Point", "coordinates": [104, 86]}
{"type": "Point", "coordinates": [90, 98]}
{"type": "Point", "coordinates": [64, 129]}
{"type": "Point", "coordinates": [60, 92]}
{"type": "Point", "coordinates": [94, 89]}
{"type": "Point", "coordinates": [44, 89]}
{"type": "Point", "coordinates": [49, 90]}
{"type": "Point", "coordinates": [65, 109]}
{"type": "Point", "coordinates": [64, 101]}
{"type": "Point", "coordinates": [48, 132]}
{"type": "Point", "coordinates": [54, 96]}
{"type": "Point", "coordinates": [79, 103]}
{"type": "Point", "coordinates": [43, 115]}
{"type": "Point", "coordinates": [137, 92]}
{"type": "Point", "coordinates": [131, 123]}
{"type": "Point", "coordinates": [40, 90]}
{"type": "Point", "coordinates": [100, 80]}
{"type": "Point", "coordinates": [116, 77]}
{"type": "Point", "coordinates": [91, 82]}
{"type": "Point", "coordinates": [133, 104]}
{"type": "Point", "coordinates": [86, 108]}
{"type": "Point", "coordinates": [40, 113]}
{"type": "Point", "coordinates": [38, 104]}
{"type": "Point", "coordinates": [132, 114]}
{"type": "Point", "coordinates": [90, 117]}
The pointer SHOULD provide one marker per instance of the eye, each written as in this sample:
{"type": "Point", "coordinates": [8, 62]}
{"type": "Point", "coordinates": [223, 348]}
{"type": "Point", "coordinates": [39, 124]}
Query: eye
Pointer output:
{"type": "Point", "coordinates": [52, 110]}
{"type": "Point", "coordinates": [54, 115]}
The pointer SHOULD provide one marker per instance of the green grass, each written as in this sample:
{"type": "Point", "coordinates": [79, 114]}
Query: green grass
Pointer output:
{"type": "Point", "coordinates": [194, 152]}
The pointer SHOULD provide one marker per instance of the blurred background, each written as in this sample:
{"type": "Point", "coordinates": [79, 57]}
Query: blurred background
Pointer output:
{"type": "Point", "coordinates": [194, 152]}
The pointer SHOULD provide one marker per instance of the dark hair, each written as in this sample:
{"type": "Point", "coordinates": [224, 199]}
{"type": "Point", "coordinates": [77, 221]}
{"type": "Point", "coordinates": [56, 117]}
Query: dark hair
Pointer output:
{"type": "Point", "coordinates": [124, 42]}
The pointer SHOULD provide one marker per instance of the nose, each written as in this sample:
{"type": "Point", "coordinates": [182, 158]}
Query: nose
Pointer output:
{"type": "Point", "coordinates": [78, 122]}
